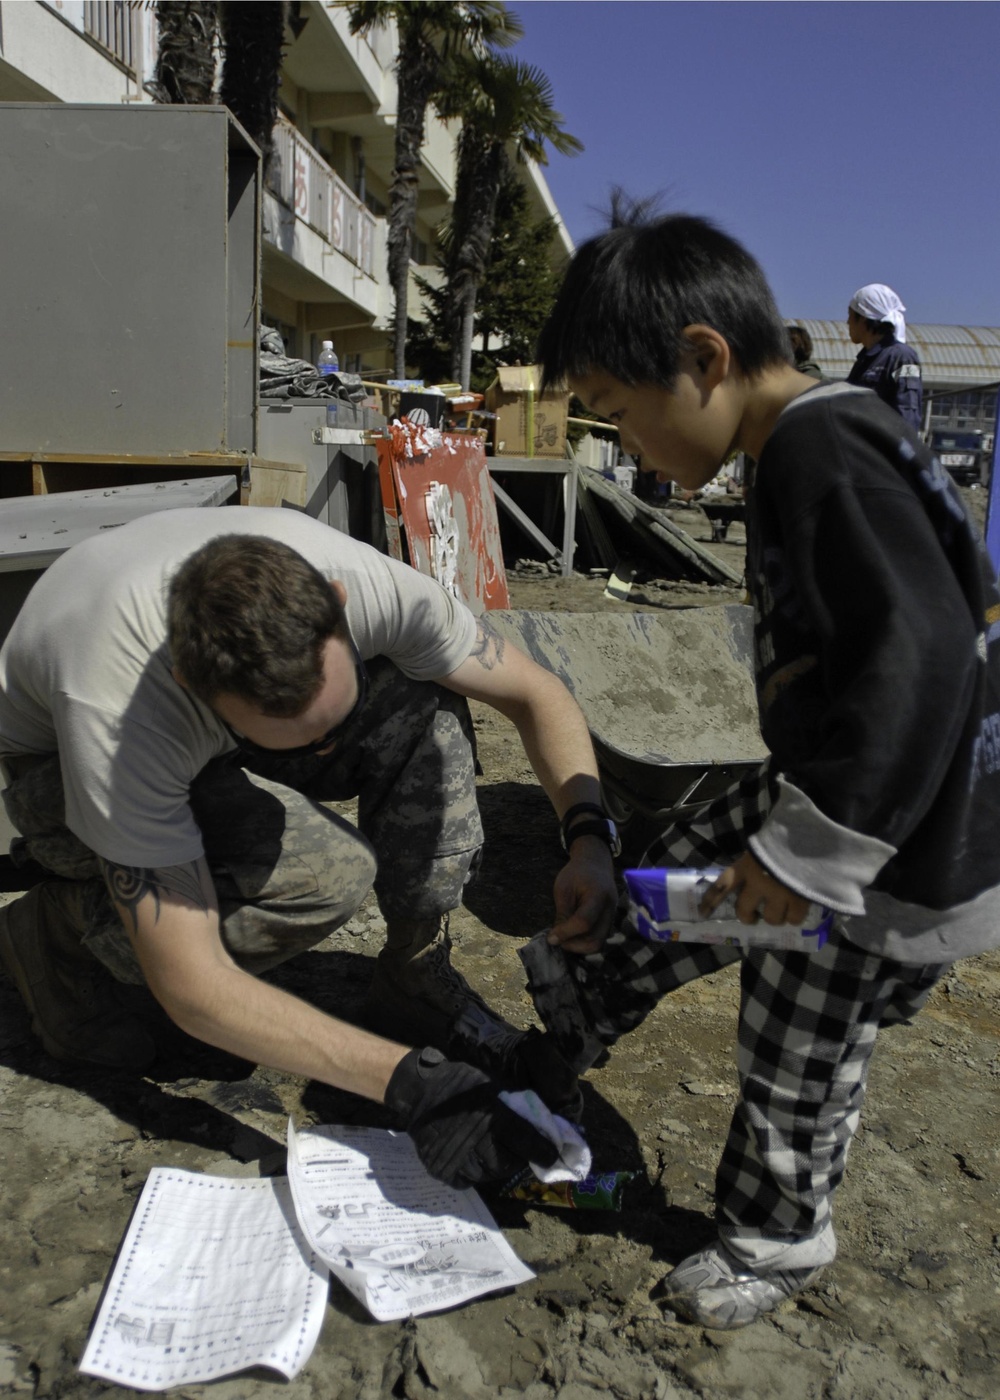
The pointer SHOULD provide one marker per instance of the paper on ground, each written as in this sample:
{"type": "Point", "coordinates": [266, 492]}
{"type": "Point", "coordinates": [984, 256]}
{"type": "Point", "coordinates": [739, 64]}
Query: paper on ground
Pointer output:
{"type": "Point", "coordinates": [213, 1276]}
{"type": "Point", "coordinates": [400, 1241]}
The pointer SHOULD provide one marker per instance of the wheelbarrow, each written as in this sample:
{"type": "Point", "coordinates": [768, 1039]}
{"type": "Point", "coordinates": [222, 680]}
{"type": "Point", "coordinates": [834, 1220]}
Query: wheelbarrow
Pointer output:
{"type": "Point", "coordinates": [721, 514]}
{"type": "Point", "coordinates": [669, 701]}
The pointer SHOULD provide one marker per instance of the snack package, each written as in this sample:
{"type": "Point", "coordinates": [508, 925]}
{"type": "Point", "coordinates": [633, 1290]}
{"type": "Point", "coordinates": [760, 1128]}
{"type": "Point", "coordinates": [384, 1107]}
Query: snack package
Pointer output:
{"type": "Point", "coordinates": [600, 1191]}
{"type": "Point", "coordinates": [664, 907]}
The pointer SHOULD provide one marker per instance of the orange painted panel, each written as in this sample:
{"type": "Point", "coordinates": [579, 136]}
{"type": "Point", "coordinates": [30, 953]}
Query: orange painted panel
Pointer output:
{"type": "Point", "coordinates": [436, 489]}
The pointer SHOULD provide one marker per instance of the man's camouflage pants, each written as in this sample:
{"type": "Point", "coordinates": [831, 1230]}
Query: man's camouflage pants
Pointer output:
{"type": "Point", "coordinates": [287, 870]}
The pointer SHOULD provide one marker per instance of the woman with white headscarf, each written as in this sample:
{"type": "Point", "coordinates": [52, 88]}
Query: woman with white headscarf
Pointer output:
{"type": "Point", "coordinates": [885, 362]}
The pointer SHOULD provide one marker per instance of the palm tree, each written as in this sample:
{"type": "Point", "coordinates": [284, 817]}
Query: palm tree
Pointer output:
{"type": "Point", "coordinates": [430, 33]}
{"type": "Point", "coordinates": [505, 105]}
{"type": "Point", "coordinates": [252, 36]}
{"type": "Point", "coordinates": [185, 59]}
{"type": "Point", "coordinates": [515, 298]}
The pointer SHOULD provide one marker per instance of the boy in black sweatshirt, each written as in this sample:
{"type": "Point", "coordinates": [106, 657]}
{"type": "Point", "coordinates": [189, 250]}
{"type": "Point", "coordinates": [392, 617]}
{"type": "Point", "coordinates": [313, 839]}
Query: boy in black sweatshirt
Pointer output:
{"type": "Point", "coordinates": [877, 623]}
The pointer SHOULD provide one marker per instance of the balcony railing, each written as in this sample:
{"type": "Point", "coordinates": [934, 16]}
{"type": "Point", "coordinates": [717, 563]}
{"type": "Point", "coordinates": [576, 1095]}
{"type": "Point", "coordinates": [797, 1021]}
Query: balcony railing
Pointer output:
{"type": "Point", "coordinates": [112, 23]}
{"type": "Point", "coordinates": [301, 179]}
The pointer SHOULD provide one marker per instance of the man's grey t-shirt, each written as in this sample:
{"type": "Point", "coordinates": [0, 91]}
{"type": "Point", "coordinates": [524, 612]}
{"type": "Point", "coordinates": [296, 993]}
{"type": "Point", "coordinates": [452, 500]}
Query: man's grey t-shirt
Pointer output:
{"type": "Point", "coordinates": [86, 669]}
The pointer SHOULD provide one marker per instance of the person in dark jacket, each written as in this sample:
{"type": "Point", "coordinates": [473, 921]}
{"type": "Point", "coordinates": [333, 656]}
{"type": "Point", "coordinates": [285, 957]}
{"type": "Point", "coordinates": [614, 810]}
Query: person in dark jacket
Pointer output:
{"type": "Point", "coordinates": [802, 349]}
{"type": "Point", "coordinates": [885, 362]}
{"type": "Point", "coordinates": [877, 666]}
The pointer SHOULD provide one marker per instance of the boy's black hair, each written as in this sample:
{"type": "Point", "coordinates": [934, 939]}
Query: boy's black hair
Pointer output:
{"type": "Point", "coordinates": [629, 293]}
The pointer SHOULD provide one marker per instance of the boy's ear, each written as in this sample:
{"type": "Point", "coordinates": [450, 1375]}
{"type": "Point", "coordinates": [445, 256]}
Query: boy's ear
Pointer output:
{"type": "Point", "coordinates": [710, 351]}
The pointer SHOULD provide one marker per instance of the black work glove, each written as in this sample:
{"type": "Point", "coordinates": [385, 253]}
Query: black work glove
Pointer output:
{"type": "Point", "coordinates": [462, 1132]}
{"type": "Point", "coordinates": [536, 1063]}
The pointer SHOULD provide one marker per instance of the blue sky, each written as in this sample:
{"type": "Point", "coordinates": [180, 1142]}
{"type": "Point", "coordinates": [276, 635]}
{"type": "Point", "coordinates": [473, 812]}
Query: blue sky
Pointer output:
{"type": "Point", "coordinates": [843, 143]}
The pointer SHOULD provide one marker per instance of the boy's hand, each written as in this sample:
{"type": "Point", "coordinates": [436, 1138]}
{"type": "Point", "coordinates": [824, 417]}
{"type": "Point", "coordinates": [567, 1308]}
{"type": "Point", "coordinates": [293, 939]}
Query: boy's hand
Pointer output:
{"type": "Point", "coordinates": [759, 895]}
{"type": "Point", "coordinates": [585, 897]}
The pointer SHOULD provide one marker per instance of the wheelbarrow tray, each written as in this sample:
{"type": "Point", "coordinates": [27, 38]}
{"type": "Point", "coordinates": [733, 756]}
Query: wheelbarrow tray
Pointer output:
{"type": "Point", "coordinates": [668, 696]}
{"type": "Point", "coordinates": [723, 510]}
{"type": "Point", "coordinates": [721, 515]}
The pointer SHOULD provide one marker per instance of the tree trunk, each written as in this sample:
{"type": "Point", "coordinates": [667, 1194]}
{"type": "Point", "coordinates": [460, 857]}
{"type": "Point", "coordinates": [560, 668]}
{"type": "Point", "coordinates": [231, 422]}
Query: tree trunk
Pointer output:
{"type": "Point", "coordinates": [468, 331]}
{"type": "Point", "coordinates": [416, 75]}
{"type": "Point", "coordinates": [251, 73]}
{"type": "Point", "coordinates": [455, 319]}
{"type": "Point", "coordinates": [185, 60]}
{"type": "Point", "coordinates": [402, 213]}
{"type": "Point", "coordinates": [480, 171]}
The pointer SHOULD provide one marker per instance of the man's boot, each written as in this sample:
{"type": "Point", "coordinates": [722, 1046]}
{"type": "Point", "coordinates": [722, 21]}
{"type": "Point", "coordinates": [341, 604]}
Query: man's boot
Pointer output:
{"type": "Point", "coordinates": [417, 997]}
{"type": "Point", "coordinates": [74, 1010]}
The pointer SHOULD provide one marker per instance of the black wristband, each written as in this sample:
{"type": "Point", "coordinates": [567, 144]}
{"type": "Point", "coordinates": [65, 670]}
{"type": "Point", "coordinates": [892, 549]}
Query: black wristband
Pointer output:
{"type": "Point", "coordinates": [580, 808]}
{"type": "Point", "coordinates": [604, 829]}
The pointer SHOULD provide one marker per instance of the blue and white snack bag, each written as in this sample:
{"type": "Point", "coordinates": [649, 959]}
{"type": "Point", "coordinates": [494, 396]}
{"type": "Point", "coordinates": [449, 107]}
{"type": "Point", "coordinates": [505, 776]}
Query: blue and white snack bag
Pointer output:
{"type": "Point", "coordinates": [664, 907]}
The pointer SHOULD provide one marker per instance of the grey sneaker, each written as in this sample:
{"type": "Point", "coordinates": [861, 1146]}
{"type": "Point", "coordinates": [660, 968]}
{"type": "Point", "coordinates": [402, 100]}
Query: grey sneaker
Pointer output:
{"type": "Point", "coordinates": [714, 1289]}
{"type": "Point", "coordinates": [71, 997]}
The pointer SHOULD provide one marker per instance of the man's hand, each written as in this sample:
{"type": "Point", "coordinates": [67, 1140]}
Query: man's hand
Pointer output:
{"type": "Point", "coordinates": [462, 1132]}
{"type": "Point", "coordinates": [585, 897]}
{"type": "Point", "coordinates": [538, 1064]}
{"type": "Point", "coordinates": [759, 894]}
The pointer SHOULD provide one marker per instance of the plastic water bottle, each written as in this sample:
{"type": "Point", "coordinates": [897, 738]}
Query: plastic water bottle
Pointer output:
{"type": "Point", "coordinates": [328, 362]}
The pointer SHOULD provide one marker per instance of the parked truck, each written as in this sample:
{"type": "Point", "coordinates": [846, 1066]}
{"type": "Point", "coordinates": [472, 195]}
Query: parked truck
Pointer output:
{"type": "Point", "coordinates": [962, 452]}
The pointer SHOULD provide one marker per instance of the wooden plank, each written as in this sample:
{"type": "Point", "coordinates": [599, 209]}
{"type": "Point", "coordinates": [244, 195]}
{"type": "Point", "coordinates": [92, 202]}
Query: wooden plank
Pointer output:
{"type": "Point", "coordinates": [607, 555]}
{"type": "Point", "coordinates": [52, 478]}
{"type": "Point", "coordinates": [660, 534]}
{"type": "Point", "coordinates": [35, 530]}
{"type": "Point", "coordinates": [131, 459]}
{"type": "Point", "coordinates": [525, 522]}
{"type": "Point", "coordinates": [566, 467]}
{"type": "Point", "coordinates": [45, 473]}
{"type": "Point", "coordinates": [278, 484]}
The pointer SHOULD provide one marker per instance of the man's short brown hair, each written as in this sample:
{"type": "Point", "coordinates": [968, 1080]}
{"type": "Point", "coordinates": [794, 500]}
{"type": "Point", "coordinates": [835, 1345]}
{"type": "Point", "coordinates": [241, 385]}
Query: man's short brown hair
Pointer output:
{"type": "Point", "coordinates": [248, 616]}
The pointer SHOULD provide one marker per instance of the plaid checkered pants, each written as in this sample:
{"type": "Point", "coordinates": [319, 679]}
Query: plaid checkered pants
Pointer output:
{"type": "Point", "coordinates": [807, 1027]}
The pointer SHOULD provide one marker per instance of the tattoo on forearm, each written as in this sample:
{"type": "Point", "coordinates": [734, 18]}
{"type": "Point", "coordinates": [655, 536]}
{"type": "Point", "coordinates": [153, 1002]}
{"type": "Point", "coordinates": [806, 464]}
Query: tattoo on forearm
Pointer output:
{"type": "Point", "coordinates": [129, 884]}
{"type": "Point", "coordinates": [489, 646]}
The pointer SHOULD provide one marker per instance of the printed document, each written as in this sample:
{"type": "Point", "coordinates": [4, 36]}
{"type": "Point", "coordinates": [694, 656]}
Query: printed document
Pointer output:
{"type": "Point", "coordinates": [217, 1274]}
{"type": "Point", "coordinates": [214, 1275]}
{"type": "Point", "coordinates": [400, 1241]}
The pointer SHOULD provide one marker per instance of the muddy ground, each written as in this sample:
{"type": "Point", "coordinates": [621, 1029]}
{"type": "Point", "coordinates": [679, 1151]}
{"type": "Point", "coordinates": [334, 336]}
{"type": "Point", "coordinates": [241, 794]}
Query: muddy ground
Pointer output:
{"type": "Point", "coordinates": [911, 1308]}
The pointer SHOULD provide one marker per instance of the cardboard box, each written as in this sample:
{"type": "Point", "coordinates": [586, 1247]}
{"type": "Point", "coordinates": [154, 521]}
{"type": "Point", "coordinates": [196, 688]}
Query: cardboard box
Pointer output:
{"type": "Point", "coordinates": [527, 424]}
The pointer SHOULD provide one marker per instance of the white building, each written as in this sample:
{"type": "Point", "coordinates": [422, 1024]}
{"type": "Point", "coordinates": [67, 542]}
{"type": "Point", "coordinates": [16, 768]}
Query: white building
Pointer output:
{"type": "Point", "coordinates": [324, 226]}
